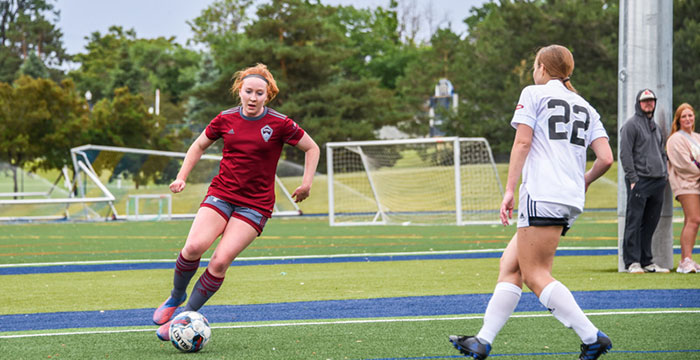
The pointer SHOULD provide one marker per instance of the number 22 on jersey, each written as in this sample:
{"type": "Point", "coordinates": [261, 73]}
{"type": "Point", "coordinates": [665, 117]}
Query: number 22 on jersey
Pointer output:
{"type": "Point", "coordinates": [576, 137]}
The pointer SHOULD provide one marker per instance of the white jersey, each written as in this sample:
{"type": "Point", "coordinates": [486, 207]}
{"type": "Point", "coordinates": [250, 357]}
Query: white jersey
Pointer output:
{"type": "Point", "coordinates": [564, 125]}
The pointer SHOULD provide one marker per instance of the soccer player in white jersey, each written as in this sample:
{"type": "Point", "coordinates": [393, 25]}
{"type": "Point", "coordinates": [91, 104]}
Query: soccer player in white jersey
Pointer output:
{"type": "Point", "coordinates": [554, 126]}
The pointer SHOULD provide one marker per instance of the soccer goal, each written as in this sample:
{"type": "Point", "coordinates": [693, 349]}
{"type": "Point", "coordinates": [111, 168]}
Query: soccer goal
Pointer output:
{"type": "Point", "coordinates": [427, 181]}
{"type": "Point", "coordinates": [140, 179]}
{"type": "Point", "coordinates": [48, 201]}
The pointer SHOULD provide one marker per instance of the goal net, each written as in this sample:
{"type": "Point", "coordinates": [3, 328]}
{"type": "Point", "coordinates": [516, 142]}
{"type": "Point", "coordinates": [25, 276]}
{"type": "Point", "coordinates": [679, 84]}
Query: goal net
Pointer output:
{"type": "Point", "coordinates": [139, 180]}
{"type": "Point", "coordinates": [413, 181]}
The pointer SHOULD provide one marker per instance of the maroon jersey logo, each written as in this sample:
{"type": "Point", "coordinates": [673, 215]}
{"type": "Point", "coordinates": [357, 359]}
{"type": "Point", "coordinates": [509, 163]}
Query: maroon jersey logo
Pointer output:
{"type": "Point", "coordinates": [266, 132]}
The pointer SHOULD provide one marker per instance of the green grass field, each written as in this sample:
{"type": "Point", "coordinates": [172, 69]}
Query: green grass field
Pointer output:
{"type": "Point", "coordinates": [602, 194]}
{"type": "Point", "coordinates": [529, 335]}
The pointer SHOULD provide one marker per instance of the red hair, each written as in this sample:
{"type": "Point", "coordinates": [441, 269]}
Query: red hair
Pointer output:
{"type": "Point", "coordinates": [260, 70]}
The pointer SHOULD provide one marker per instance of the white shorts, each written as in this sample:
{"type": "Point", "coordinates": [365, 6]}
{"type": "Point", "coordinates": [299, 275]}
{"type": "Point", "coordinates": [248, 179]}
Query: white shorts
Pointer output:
{"type": "Point", "coordinates": [543, 213]}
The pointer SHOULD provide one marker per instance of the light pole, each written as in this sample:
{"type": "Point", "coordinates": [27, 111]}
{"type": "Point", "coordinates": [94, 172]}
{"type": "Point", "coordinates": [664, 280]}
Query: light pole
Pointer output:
{"type": "Point", "coordinates": [88, 97]}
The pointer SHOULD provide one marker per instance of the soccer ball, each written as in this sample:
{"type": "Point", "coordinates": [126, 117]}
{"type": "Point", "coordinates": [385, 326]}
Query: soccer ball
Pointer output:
{"type": "Point", "coordinates": [190, 331]}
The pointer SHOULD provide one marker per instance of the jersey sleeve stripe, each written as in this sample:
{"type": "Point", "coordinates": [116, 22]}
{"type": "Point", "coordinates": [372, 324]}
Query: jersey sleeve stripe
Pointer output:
{"type": "Point", "coordinates": [231, 111]}
{"type": "Point", "coordinates": [277, 114]}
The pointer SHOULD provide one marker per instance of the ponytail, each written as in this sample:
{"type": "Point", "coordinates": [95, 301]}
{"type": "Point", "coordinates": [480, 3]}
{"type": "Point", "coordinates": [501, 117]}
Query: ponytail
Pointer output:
{"type": "Point", "coordinates": [559, 63]}
{"type": "Point", "coordinates": [567, 83]}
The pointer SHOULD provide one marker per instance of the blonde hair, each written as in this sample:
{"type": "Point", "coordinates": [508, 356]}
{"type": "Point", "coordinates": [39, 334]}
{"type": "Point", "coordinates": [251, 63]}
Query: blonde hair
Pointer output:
{"type": "Point", "coordinates": [260, 70]}
{"type": "Point", "coordinates": [676, 125]}
{"type": "Point", "coordinates": [558, 62]}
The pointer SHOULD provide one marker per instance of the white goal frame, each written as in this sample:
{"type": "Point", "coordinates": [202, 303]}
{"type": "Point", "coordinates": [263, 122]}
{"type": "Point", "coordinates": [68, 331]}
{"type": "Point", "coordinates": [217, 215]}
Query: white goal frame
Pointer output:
{"type": "Point", "coordinates": [78, 156]}
{"type": "Point", "coordinates": [80, 168]}
{"type": "Point", "coordinates": [381, 216]}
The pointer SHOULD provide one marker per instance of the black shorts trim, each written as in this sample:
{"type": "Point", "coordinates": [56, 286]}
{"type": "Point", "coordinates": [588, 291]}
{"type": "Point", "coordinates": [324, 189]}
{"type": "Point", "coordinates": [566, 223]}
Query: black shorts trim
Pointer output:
{"type": "Point", "coordinates": [543, 221]}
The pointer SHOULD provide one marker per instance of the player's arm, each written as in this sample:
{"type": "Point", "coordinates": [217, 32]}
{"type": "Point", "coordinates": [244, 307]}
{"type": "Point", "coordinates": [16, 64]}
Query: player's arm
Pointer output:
{"type": "Point", "coordinates": [194, 153]}
{"type": "Point", "coordinates": [307, 145]}
{"type": "Point", "coordinates": [518, 154]}
{"type": "Point", "coordinates": [603, 160]}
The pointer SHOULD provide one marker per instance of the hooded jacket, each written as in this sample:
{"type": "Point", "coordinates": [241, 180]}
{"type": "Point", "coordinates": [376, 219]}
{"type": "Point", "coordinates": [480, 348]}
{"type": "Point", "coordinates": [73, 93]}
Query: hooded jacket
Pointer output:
{"type": "Point", "coordinates": [642, 146]}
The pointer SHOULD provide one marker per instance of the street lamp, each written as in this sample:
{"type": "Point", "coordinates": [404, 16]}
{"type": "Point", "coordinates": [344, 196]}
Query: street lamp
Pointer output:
{"type": "Point", "coordinates": [88, 97]}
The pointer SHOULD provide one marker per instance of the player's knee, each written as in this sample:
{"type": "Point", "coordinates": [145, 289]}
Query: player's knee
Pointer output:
{"type": "Point", "coordinates": [218, 268]}
{"type": "Point", "coordinates": [193, 251]}
{"type": "Point", "coordinates": [511, 277]}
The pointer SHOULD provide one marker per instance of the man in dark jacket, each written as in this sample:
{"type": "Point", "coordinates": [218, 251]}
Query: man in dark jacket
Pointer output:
{"type": "Point", "coordinates": [643, 159]}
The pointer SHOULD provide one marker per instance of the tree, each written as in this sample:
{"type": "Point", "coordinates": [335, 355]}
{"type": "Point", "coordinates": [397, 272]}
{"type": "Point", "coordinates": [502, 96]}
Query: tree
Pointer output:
{"type": "Point", "coordinates": [686, 47]}
{"type": "Point", "coordinates": [124, 121]}
{"type": "Point", "coordinates": [120, 59]}
{"type": "Point", "coordinates": [39, 122]}
{"type": "Point", "coordinates": [325, 83]}
{"type": "Point", "coordinates": [219, 21]}
{"type": "Point", "coordinates": [200, 109]}
{"type": "Point", "coordinates": [495, 61]}
{"type": "Point", "coordinates": [442, 59]}
{"type": "Point", "coordinates": [33, 67]}
{"type": "Point", "coordinates": [25, 29]}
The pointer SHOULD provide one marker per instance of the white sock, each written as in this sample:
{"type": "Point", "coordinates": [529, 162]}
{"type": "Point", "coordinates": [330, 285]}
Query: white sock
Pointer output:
{"type": "Point", "coordinates": [503, 301]}
{"type": "Point", "coordinates": [561, 303]}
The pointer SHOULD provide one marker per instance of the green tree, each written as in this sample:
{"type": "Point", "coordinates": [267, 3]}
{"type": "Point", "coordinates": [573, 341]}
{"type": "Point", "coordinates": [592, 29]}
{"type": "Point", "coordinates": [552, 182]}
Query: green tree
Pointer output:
{"type": "Point", "coordinates": [494, 61]}
{"type": "Point", "coordinates": [324, 78]}
{"type": "Point", "coordinates": [200, 107]}
{"type": "Point", "coordinates": [124, 121]}
{"type": "Point", "coordinates": [39, 122]}
{"type": "Point", "coordinates": [26, 27]}
{"type": "Point", "coordinates": [220, 21]}
{"type": "Point", "coordinates": [686, 48]}
{"type": "Point", "coordinates": [33, 67]}
{"type": "Point", "coordinates": [373, 39]}
{"type": "Point", "coordinates": [441, 59]}
{"type": "Point", "coordinates": [119, 60]}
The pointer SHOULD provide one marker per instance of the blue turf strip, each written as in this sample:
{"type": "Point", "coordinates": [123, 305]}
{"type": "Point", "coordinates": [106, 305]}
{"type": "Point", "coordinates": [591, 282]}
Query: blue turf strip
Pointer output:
{"type": "Point", "coordinates": [364, 308]}
{"type": "Point", "coordinates": [49, 269]}
{"type": "Point", "coordinates": [540, 354]}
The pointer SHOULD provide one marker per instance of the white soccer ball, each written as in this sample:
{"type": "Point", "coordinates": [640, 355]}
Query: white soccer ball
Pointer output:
{"type": "Point", "coordinates": [190, 331]}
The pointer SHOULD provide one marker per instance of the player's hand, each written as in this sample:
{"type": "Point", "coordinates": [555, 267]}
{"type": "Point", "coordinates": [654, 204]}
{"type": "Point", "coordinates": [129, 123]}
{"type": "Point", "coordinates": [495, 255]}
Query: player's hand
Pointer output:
{"type": "Point", "coordinates": [507, 207]}
{"type": "Point", "coordinates": [177, 186]}
{"type": "Point", "coordinates": [301, 193]}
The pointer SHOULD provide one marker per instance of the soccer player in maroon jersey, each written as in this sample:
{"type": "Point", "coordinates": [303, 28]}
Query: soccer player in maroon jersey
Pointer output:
{"type": "Point", "coordinates": [241, 197]}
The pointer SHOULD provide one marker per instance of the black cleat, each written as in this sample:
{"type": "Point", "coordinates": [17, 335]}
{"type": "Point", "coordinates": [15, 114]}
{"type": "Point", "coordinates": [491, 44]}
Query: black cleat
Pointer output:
{"type": "Point", "coordinates": [600, 347]}
{"type": "Point", "coordinates": [470, 346]}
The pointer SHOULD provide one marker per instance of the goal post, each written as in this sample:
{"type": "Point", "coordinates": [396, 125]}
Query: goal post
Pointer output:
{"type": "Point", "coordinates": [428, 181]}
{"type": "Point", "coordinates": [56, 203]}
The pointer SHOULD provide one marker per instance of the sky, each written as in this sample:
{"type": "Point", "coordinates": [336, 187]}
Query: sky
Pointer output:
{"type": "Point", "coordinates": [154, 18]}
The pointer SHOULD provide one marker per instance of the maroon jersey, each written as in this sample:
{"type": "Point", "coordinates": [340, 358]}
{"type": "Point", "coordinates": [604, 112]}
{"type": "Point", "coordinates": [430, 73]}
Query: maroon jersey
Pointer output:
{"type": "Point", "coordinates": [252, 148]}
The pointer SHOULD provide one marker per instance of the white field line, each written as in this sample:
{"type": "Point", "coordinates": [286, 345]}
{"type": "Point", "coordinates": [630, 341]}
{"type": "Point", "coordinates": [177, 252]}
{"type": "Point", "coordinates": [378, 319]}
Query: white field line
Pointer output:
{"type": "Point", "coordinates": [439, 252]}
{"type": "Point", "coordinates": [366, 321]}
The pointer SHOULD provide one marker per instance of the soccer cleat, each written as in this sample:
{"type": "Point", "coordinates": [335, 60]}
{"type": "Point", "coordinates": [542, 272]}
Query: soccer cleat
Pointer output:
{"type": "Point", "coordinates": [635, 268]}
{"type": "Point", "coordinates": [163, 331]}
{"type": "Point", "coordinates": [653, 268]}
{"type": "Point", "coordinates": [600, 347]}
{"type": "Point", "coordinates": [166, 310]}
{"type": "Point", "coordinates": [687, 266]}
{"type": "Point", "coordinates": [470, 346]}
